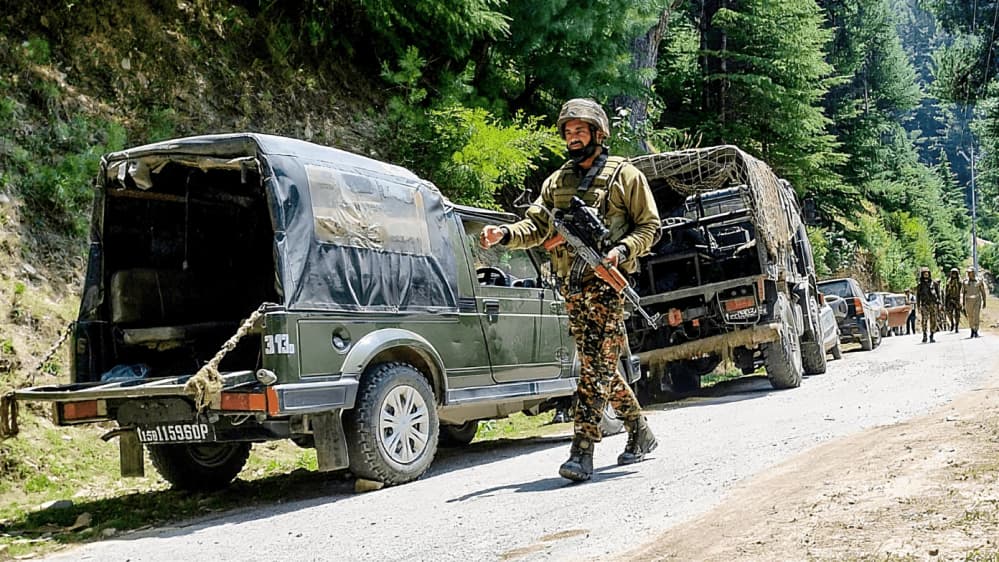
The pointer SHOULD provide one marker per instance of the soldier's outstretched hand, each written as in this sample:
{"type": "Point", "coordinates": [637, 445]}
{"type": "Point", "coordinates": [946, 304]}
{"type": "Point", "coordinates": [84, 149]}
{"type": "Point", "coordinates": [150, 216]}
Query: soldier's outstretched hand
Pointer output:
{"type": "Point", "coordinates": [490, 236]}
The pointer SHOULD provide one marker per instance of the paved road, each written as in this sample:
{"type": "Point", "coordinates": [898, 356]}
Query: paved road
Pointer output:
{"type": "Point", "coordinates": [506, 501]}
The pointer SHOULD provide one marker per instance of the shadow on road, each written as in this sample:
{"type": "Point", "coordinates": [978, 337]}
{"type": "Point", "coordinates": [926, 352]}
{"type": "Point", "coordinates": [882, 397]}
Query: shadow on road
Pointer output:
{"type": "Point", "coordinates": [732, 390]}
{"type": "Point", "coordinates": [178, 513]}
{"type": "Point", "coordinates": [546, 484]}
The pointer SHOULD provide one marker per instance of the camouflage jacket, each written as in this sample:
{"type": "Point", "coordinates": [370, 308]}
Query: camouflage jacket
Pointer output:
{"type": "Point", "coordinates": [620, 194]}
{"type": "Point", "coordinates": [925, 293]}
{"type": "Point", "coordinates": [953, 291]}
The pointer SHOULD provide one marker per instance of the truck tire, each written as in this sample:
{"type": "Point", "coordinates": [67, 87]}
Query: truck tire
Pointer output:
{"type": "Point", "coordinates": [392, 431]}
{"type": "Point", "coordinates": [458, 435]}
{"type": "Point", "coordinates": [837, 353]}
{"type": "Point", "coordinates": [866, 339]}
{"type": "Point", "coordinates": [199, 467]}
{"type": "Point", "coordinates": [813, 352]}
{"type": "Point", "coordinates": [876, 337]}
{"type": "Point", "coordinates": [813, 358]}
{"type": "Point", "coordinates": [782, 358]}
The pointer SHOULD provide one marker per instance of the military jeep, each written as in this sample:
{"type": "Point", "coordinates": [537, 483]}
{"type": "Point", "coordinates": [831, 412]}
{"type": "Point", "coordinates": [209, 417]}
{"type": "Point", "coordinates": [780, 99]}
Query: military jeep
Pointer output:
{"type": "Point", "coordinates": [362, 317]}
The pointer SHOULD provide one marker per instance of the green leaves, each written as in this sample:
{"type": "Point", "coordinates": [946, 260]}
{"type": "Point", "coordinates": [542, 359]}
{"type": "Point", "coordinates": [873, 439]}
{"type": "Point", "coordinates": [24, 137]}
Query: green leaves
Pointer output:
{"type": "Point", "coordinates": [485, 154]}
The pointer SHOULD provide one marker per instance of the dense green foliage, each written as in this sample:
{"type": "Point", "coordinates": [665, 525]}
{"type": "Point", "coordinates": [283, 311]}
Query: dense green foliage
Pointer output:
{"type": "Point", "coordinates": [851, 100]}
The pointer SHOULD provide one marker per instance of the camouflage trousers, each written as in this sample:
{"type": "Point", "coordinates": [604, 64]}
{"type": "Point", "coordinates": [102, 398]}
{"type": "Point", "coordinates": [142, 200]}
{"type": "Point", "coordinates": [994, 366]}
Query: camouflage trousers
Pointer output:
{"type": "Point", "coordinates": [928, 315]}
{"type": "Point", "coordinates": [596, 320]}
{"type": "Point", "coordinates": [953, 309]}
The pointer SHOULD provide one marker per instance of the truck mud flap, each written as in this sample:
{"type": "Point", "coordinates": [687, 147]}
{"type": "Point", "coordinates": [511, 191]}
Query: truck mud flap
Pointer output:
{"type": "Point", "coordinates": [721, 343]}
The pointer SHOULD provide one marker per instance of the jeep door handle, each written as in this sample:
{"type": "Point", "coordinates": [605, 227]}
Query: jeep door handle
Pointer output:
{"type": "Point", "coordinates": [492, 309]}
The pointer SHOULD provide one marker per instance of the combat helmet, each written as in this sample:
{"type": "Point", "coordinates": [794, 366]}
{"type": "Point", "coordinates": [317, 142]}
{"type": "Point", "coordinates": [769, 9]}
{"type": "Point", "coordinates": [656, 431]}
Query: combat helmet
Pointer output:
{"type": "Point", "coordinates": [586, 110]}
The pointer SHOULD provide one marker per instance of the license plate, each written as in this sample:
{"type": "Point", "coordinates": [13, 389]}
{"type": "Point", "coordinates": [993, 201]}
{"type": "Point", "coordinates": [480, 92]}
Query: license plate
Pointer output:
{"type": "Point", "coordinates": [177, 433]}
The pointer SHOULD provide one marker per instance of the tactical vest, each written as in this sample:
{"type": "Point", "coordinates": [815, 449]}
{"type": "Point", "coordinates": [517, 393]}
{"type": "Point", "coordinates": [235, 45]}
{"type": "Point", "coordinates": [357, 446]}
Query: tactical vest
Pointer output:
{"type": "Point", "coordinates": [567, 185]}
{"type": "Point", "coordinates": [568, 182]}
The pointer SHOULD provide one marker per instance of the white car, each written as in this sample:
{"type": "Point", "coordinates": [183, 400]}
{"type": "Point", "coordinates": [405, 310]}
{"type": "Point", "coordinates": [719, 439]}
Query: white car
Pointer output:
{"type": "Point", "coordinates": [830, 329]}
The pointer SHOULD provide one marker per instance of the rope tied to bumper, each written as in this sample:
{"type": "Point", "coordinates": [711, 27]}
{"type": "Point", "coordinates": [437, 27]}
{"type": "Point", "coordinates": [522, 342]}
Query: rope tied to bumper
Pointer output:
{"type": "Point", "coordinates": [205, 387]}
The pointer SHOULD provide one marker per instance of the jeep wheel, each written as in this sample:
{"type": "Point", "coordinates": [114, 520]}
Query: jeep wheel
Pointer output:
{"type": "Point", "coordinates": [782, 358]}
{"type": "Point", "coordinates": [610, 424]}
{"type": "Point", "coordinates": [392, 431]}
{"type": "Point", "coordinates": [458, 435]}
{"type": "Point", "coordinates": [876, 337]}
{"type": "Point", "coordinates": [199, 467]}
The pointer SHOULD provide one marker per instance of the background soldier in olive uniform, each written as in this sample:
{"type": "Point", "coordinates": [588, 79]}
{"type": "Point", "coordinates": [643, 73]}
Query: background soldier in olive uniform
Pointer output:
{"type": "Point", "coordinates": [952, 299]}
{"type": "Point", "coordinates": [974, 300]}
{"type": "Point", "coordinates": [927, 299]}
{"type": "Point", "coordinates": [621, 196]}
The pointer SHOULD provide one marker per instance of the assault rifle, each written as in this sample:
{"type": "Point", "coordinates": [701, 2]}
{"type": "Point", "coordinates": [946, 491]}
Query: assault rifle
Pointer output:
{"type": "Point", "coordinates": [583, 231]}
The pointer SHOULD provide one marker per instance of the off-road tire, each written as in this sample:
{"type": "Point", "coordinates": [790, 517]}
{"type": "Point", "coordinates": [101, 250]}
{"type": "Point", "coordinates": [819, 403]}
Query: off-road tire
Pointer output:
{"type": "Point", "coordinates": [876, 339]}
{"type": "Point", "coordinates": [199, 467]}
{"type": "Point", "coordinates": [866, 340]}
{"type": "Point", "coordinates": [813, 358]}
{"type": "Point", "coordinates": [782, 358]}
{"type": "Point", "coordinates": [458, 435]}
{"type": "Point", "coordinates": [837, 353]}
{"type": "Point", "coordinates": [369, 455]}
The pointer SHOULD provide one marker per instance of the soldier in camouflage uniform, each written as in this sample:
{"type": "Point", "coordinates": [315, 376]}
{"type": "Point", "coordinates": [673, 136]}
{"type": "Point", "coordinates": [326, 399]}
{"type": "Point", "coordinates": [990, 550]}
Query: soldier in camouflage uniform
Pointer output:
{"type": "Point", "coordinates": [974, 300]}
{"type": "Point", "coordinates": [928, 302]}
{"type": "Point", "coordinates": [621, 196]}
{"type": "Point", "coordinates": [952, 300]}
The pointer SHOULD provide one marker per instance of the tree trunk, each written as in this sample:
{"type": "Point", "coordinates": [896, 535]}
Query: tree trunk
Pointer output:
{"type": "Point", "coordinates": [645, 55]}
{"type": "Point", "coordinates": [712, 62]}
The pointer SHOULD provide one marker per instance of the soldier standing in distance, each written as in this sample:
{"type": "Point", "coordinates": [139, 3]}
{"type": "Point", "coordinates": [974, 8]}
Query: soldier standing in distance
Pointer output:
{"type": "Point", "coordinates": [952, 300]}
{"type": "Point", "coordinates": [974, 300]}
{"type": "Point", "coordinates": [620, 194]}
{"type": "Point", "coordinates": [927, 300]}
{"type": "Point", "coordinates": [910, 320]}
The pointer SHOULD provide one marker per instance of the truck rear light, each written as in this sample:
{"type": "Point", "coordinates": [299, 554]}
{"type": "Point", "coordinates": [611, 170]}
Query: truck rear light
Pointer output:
{"type": "Point", "coordinates": [84, 410]}
{"type": "Point", "coordinates": [858, 305]}
{"type": "Point", "coordinates": [822, 299]}
{"type": "Point", "coordinates": [244, 401]}
{"type": "Point", "coordinates": [741, 303]}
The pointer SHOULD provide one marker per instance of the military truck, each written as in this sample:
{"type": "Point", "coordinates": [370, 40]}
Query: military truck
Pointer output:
{"type": "Point", "coordinates": [354, 310]}
{"type": "Point", "coordinates": [732, 274]}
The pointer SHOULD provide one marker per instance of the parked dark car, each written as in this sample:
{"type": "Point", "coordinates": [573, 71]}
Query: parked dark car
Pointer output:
{"type": "Point", "coordinates": [859, 321]}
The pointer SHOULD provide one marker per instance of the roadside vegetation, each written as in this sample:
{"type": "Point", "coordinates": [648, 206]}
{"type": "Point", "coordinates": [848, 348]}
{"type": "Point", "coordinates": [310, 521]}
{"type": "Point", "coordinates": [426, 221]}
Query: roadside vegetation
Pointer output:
{"type": "Point", "coordinates": [865, 105]}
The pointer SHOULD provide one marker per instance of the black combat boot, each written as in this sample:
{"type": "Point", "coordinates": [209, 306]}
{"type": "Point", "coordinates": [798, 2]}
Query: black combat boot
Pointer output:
{"type": "Point", "coordinates": [931, 337]}
{"type": "Point", "coordinates": [579, 467]}
{"type": "Point", "coordinates": [924, 337]}
{"type": "Point", "coordinates": [641, 441]}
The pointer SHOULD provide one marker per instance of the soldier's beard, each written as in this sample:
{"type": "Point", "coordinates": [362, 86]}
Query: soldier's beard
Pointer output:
{"type": "Point", "coordinates": [579, 155]}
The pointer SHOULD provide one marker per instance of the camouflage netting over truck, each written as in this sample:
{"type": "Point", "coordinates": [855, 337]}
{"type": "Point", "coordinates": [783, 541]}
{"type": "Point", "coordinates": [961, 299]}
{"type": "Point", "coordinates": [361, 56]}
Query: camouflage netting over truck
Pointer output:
{"type": "Point", "coordinates": [706, 169]}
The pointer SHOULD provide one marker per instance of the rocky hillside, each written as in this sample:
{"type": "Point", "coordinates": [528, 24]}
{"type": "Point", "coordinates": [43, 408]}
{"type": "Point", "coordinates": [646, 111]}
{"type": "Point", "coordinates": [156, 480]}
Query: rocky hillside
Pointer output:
{"type": "Point", "coordinates": [81, 78]}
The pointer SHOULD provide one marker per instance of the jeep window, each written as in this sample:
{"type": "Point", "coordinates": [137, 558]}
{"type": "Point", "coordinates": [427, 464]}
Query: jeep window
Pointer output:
{"type": "Point", "coordinates": [500, 266]}
{"type": "Point", "coordinates": [360, 211]}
